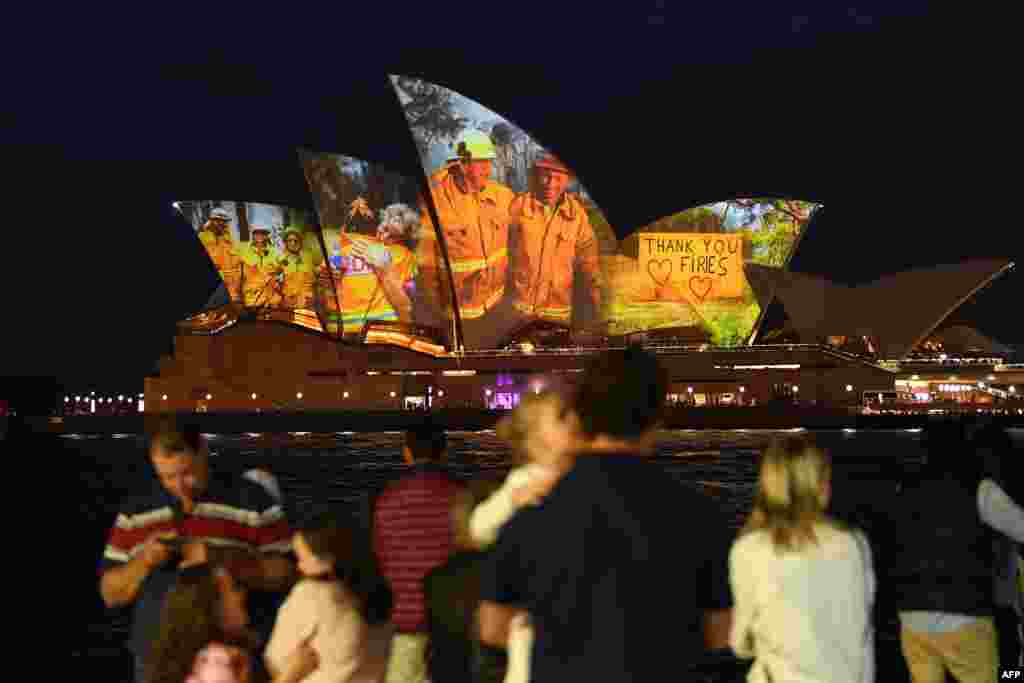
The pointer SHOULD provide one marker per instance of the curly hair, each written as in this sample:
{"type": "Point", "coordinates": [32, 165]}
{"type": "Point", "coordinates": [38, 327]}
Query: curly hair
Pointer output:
{"type": "Point", "coordinates": [190, 620]}
{"type": "Point", "coordinates": [404, 216]}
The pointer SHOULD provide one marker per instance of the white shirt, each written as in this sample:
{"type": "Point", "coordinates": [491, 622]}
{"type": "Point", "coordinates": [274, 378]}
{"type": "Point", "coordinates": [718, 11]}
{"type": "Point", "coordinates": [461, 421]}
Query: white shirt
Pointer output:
{"type": "Point", "coordinates": [489, 516]}
{"type": "Point", "coordinates": [349, 650]}
{"type": "Point", "coordinates": [999, 512]}
{"type": "Point", "coordinates": [804, 615]}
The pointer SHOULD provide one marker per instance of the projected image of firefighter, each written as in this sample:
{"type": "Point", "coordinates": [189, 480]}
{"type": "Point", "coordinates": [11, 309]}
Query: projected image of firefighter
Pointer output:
{"type": "Point", "coordinates": [262, 269]}
{"type": "Point", "coordinates": [298, 265]}
{"type": "Point", "coordinates": [554, 254]}
{"type": "Point", "coordinates": [369, 279]}
{"type": "Point", "coordinates": [473, 210]}
{"type": "Point", "coordinates": [216, 236]}
{"type": "Point", "coordinates": [524, 238]}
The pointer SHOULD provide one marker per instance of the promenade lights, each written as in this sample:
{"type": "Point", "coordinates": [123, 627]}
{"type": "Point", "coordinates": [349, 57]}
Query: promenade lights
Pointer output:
{"type": "Point", "coordinates": [689, 390]}
{"type": "Point", "coordinates": [742, 389]}
{"type": "Point", "coordinates": [67, 399]}
{"type": "Point", "coordinates": [1013, 390]}
{"type": "Point", "coordinates": [120, 397]}
{"type": "Point", "coordinates": [796, 389]}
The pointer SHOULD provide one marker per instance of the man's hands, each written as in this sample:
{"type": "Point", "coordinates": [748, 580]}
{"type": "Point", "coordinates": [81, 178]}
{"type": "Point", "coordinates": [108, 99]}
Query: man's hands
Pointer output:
{"type": "Point", "coordinates": [302, 661]}
{"type": "Point", "coordinates": [158, 549]}
{"type": "Point", "coordinates": [360, 207]}
{"type": "Point", "coordinates": [194, 552]}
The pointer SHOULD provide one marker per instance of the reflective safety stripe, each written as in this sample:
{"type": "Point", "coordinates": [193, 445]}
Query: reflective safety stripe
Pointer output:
{"type": "Point", "coordinates": [471, 266]}
{"type": "Point", "coordinates": [549, 311]}
{"type": "Point", "coordinates": [477, 311]}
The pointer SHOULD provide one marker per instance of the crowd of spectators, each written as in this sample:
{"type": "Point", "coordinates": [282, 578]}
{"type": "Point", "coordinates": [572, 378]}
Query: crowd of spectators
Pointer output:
{"type": "Point", "coordinates": [584, 564]}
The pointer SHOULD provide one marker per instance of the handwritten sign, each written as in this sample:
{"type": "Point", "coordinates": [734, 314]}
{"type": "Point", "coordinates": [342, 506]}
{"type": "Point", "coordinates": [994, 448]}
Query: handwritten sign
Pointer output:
{"type": "Point", "coordinates": [699, 266]}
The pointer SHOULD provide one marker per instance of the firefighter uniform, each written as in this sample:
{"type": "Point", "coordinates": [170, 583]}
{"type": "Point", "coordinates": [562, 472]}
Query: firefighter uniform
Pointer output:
{"type": "Point", "coordinates": [548, 246]}
{"type": "Point", "coordinates": [357, 286]}
{"type": "Point", "coordinates": [259, 275]}
{"type": "Point", "coordinates": [298, 275]}
{"type": "Point", "coordinates": [476, 232]}
{"type": "Point", "coordinates": [223, 251]}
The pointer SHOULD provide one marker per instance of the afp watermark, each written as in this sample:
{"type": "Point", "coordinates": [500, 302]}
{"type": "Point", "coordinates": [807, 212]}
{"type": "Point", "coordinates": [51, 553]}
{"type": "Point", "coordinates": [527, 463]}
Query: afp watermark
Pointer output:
{"type": "Point", "coordinates": [1011, 674]}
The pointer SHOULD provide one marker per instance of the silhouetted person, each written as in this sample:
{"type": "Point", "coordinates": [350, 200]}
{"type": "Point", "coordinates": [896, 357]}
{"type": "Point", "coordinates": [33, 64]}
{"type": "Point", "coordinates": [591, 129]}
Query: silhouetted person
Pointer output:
{"type": "Point", "coordinates": [942, 573]}
{"type": "Point", "coordinates": [598, 566]}
{"type": "Point", "coordinates": [414, 523]}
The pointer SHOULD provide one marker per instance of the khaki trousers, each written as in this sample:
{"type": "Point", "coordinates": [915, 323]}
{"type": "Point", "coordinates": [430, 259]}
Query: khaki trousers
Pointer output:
{"type": "Point", "coordinates": [970, 653]}
{"type": "Point", "coordinates": [408, 660]}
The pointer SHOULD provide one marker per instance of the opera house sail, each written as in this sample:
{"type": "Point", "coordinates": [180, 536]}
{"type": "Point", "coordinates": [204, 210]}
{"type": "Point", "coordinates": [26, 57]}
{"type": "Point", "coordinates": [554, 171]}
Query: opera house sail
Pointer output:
{"type": "Point", "coordinates": [490, 271]}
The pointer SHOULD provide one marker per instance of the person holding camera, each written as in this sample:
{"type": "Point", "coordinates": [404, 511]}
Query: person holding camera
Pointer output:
{"type": "Point", "coordinates": [191, 515]}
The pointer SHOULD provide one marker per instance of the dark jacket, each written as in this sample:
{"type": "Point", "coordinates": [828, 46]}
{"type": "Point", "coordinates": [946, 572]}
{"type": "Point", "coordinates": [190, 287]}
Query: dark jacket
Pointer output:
{"type": "Point", "coordinates": [944, 559]}
{"type": "Point", "coordinates": [453, 594]}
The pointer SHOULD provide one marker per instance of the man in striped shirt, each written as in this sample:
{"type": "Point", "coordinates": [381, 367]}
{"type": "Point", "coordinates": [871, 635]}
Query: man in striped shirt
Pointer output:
{"type": "Point", "coordinates": [190, 515]}
{"type": "Point", "coordinates": [418, 522]}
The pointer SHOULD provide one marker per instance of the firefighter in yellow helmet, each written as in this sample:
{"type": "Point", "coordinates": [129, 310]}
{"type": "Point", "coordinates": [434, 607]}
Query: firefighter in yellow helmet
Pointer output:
{"type": "Point", "coordinates": [473, 211]}
{"type": "Point", "coordinates": [298, 271]}
{"type": "Point", "coordinates": [262, 266]}
{"type": "Point", "coordinates": [551, 241]}
{"type": "Point", "coordinates": [223, 250]}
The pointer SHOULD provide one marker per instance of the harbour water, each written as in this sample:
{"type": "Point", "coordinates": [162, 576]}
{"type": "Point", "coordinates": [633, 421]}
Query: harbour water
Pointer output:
{"type": "Point", "coordinates": [338, 470]}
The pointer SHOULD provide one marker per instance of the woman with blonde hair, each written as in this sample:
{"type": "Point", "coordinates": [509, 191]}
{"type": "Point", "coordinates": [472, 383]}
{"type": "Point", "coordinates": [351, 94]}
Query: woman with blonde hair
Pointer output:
{"type": "Point", "coordinates": [543, 432]}
{"type": "Point", "coordinates": [803, 583]}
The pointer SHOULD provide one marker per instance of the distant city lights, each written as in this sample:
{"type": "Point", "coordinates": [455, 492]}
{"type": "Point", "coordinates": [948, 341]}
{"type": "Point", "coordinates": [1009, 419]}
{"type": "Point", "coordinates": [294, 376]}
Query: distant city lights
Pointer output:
{"type": "Point", "coordinates": [299, 395]}
{"type": "Point", "coordinates": [440, 393]}
{"type": "Point", "coordinates": [849, 387]}
{"type": "Point", "coordinates": [393, 394]}
{"type": "Point", "coordinates": [164, 397]}
{"type": "Point", "coordinates": [254, 396]}
{"type": "Point", "coordinates": [345, 395]}
{"type": "Point", "coordinates": [209, 397]}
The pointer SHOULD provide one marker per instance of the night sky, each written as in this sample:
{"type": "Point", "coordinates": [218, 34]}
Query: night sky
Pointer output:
{"type": "Point", "coordinates": [898, 120]}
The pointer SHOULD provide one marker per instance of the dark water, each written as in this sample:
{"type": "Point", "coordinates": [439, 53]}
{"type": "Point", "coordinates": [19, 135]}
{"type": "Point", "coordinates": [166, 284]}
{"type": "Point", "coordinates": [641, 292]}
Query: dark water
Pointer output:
{"type": "Point", "coordinates": [337, 470]}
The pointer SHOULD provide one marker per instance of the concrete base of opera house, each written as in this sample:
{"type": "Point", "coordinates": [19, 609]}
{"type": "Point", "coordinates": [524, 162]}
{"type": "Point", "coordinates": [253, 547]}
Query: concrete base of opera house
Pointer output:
{"type": "Point", "coordinates": [755, 417]}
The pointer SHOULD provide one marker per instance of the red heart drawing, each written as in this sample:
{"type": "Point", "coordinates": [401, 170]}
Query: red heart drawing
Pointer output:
{"type": "Point", "coordinates": [700, 286]}
{"type": "Point", "coordinates": [658, 267]}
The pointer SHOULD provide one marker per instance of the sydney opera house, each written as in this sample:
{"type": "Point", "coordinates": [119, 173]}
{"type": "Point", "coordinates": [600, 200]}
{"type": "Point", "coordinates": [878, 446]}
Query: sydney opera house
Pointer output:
{"type": "Point", "coordinates": [495, 274]}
